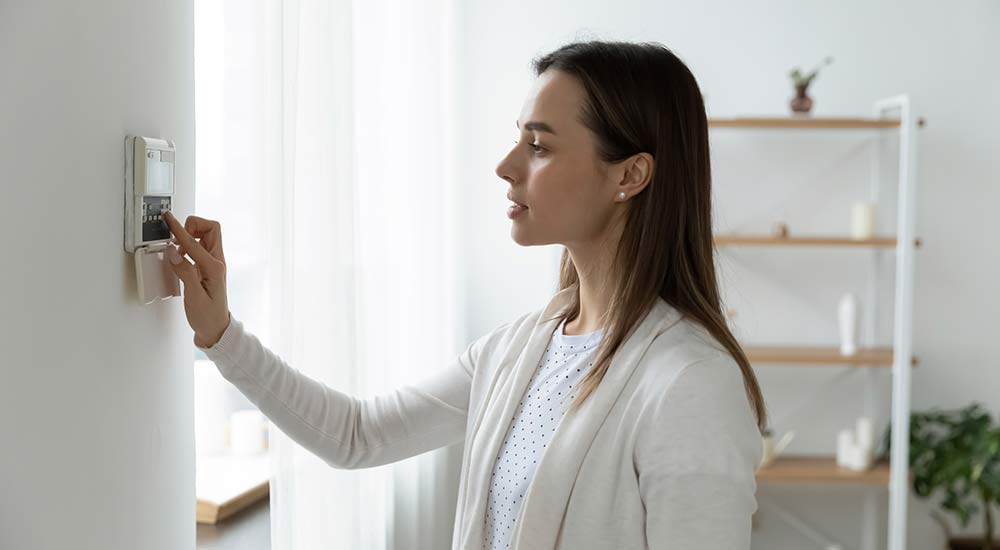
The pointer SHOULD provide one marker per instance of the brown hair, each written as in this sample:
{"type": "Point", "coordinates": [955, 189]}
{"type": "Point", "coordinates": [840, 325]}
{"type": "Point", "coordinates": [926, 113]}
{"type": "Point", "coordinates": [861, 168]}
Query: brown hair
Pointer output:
{"type": "Point", "coordinates": [640, 97]}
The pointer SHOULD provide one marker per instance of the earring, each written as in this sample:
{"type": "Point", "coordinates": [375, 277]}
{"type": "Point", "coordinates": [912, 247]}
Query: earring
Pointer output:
{"type": "Point", "coordinates": [621, 195]}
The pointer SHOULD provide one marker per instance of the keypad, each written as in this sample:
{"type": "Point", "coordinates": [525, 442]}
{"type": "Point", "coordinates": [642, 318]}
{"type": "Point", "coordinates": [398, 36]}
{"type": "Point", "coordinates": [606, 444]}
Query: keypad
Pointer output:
{"type": "Point", "coordinates": [154, 228]}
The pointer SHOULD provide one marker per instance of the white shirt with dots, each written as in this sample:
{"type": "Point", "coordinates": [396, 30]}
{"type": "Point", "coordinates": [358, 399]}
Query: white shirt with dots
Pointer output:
{"type": "Point", "coordinates": [554, 385]}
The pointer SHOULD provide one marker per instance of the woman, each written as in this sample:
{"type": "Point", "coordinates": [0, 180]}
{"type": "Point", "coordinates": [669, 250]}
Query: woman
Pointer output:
{"type": "Point", "coordinates": [622, 415]}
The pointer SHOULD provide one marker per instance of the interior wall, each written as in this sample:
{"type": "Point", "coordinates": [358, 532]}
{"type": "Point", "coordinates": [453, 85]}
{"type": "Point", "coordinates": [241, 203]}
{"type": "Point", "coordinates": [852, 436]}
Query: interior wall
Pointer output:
{"type": "Point", "coordinates": [741, 53]}
{"type": "Point", "coordinates": [96, 399]}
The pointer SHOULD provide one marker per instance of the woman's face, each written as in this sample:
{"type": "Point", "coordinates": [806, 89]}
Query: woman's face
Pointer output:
{"type": "Point", "coordinates": [554, 170]}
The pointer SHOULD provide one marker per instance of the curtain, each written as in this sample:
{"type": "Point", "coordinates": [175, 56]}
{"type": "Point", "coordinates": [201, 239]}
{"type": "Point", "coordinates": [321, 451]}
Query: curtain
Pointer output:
{"type": "Point", "coordinates": [327, 127]}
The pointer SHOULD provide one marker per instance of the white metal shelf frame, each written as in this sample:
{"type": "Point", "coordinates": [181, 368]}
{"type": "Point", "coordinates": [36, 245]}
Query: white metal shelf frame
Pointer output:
{"type": "Point", "coordinates": [902, 318]}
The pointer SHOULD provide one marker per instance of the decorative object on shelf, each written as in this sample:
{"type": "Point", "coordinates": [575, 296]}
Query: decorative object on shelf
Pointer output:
{"type": "Point", "coordinates": [845, 441]}
{"type": "Point", "coordinates": [247, 429]}
{"type": "Point", "coordinates": [958, 452]}
{"type": "Point", "coordinates": [780, 230]}
{"type": "Point", "coordinates": [773, 449]}
{"type": "Point", "coordinates": [801, 104]}
{"type": "Point", "coordinates": [862, 220]}
{"type": "Point", "coordinates": [855, 448]}
{"type": "Point", "coordinates": [848, 318]}
{"type": "Point", "coordinates": [864, 432]}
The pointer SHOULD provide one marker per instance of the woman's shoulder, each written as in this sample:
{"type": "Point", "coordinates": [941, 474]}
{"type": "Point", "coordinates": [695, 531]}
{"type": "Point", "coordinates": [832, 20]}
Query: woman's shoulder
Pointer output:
{"type": "Point", "coordinates": [692, 393]}
{"type": "Point", "coordinates": [682, 345]}
{"type": "Point", "coordinates": [690, 373]}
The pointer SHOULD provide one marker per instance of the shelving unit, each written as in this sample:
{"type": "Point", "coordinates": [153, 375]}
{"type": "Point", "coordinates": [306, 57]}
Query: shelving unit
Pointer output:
{"type": "Point", "coordinates": [894, 473]}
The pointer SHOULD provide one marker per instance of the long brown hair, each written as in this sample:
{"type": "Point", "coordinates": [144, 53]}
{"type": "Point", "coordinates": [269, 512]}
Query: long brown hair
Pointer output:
{"type": "Point", "coordinates": [640, 97]}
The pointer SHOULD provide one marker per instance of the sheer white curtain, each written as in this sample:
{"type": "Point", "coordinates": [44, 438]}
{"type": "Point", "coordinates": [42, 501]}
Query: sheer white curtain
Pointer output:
{"type": "Point", "coordinates": [326, 129]}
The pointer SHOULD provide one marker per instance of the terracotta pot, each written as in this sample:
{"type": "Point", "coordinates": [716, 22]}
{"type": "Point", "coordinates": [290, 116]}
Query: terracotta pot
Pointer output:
{"type": "Point", "coordinates": [969, 543]}
{"type": "Point", "coordinates": [801, 103]}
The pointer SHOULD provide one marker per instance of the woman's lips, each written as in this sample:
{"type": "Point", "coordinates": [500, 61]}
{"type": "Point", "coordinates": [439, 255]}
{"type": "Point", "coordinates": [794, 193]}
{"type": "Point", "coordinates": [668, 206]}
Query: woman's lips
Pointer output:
{"type": "Point", "coordinates": [516, 210]}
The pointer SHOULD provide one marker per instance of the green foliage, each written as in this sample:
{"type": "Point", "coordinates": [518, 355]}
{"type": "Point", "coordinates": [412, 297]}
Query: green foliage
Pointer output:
{"type": "Point", "coordinates": [799, 80]}
{"type": "Point", "coordinates": [958, 453]}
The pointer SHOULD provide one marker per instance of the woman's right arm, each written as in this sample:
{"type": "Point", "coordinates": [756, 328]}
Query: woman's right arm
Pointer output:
{"type": "Point", "coordinates": [344, 431]}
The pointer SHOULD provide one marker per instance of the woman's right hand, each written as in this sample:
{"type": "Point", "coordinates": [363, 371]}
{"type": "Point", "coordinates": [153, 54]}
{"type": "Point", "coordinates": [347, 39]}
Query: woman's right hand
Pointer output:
{"type": "Point", "coordinates": [205, 302]}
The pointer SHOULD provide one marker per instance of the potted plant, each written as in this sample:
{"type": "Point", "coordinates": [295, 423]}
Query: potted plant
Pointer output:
{"type": "Point", "coordinates": [956, 453]}
{"type": "Point", "coordinates": [802, 103]}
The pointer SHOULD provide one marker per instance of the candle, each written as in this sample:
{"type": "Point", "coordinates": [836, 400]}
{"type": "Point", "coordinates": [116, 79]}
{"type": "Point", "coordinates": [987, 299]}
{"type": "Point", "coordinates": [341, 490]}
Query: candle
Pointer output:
{"type": "Point", "coordinates": [862, 220]}
{"type": "Point", "coordinates": [858, 458]}
{"type": "Point", "coordinates": [865, 433]}
{"type": "Point", "coordinates": [845, 442]}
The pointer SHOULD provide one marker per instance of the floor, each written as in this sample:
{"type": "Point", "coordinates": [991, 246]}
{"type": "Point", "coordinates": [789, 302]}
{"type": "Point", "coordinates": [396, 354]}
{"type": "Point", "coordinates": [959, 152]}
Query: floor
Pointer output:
{"type": "Point", "coordinates": [250, 529]}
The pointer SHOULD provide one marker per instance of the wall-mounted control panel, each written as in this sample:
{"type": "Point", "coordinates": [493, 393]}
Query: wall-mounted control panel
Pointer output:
{"type": "Point", "coordinates": [149, 192]}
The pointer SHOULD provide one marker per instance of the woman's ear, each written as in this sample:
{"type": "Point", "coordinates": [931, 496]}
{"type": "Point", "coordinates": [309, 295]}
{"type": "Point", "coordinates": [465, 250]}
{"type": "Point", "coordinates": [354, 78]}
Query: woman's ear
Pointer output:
{"type": "Point", "coordinates": [638, 172]}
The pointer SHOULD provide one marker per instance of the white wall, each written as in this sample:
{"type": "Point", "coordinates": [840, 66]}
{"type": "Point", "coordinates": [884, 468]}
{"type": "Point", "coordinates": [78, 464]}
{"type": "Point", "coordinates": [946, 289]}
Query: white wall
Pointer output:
{"type": "Point", "coordinates": [941, 55]}
{"type": "Point", "coordinates": [96, 412]}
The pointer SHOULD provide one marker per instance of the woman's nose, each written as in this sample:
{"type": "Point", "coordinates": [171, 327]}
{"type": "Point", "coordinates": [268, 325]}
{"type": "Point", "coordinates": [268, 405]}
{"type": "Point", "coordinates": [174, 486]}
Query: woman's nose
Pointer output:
{"type": "Point", "coordinates": [504, 169]}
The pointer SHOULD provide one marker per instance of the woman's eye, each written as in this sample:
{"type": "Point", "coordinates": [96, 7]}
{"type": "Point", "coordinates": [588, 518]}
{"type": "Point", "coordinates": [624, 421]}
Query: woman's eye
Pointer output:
{"type": "Point", "coordinates": [537, 148]}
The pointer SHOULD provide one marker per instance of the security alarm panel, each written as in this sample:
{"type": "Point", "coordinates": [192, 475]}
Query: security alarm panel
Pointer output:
{"type": "Point", "coordinates": [149, 192]}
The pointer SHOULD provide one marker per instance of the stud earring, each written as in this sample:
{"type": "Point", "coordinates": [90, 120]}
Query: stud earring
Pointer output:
{"type": "Point", "coordinates": [621, 195]}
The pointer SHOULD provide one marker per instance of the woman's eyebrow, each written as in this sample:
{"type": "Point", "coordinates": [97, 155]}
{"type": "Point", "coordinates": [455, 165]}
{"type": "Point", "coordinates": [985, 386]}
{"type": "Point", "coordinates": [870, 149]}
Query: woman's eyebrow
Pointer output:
{"type": "Point", "coordinates": [536, 125]}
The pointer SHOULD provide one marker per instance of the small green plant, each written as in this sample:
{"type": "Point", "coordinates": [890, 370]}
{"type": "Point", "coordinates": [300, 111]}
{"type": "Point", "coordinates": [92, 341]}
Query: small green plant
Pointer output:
{"type": "Point", "coordinates": [800, 81]}
{"type": "Point", "coordinates": [958, 453]}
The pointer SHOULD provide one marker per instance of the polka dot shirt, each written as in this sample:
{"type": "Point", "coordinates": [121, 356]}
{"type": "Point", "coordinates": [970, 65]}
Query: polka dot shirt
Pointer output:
{"type": "Point", "coordinates": [551, 391]}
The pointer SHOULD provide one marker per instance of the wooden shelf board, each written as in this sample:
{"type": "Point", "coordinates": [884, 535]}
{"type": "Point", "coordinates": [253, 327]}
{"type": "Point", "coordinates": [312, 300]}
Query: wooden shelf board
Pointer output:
{"type": "Point", "coordinates": [818, 355]}
{"type": "Point", "coordinates": [226, 484]}
{"type": "Point", "coordinates": [769, 240]}
{"type": "Point", "coordinates": [207, 511]}
{"type": "Point", "coordinates": [821, 469]}
{"type": "Point", "coordinates": [803, 122]}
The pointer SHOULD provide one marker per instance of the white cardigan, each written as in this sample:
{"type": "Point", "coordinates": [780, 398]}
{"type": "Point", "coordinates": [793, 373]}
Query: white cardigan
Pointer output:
{"type": "Point", "coordinates": [662, 455]}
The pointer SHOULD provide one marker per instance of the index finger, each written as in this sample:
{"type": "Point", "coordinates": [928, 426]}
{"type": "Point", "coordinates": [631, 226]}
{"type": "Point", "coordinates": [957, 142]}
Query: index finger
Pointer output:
{"type": "Point", "coordinates": [210, 233]}
{"type": "Point", "coordinates": [190, 245]}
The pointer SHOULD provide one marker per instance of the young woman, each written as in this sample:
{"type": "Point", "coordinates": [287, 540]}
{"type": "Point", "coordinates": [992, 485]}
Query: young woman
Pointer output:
{"type": "Point", "coordinates": [623, 414]}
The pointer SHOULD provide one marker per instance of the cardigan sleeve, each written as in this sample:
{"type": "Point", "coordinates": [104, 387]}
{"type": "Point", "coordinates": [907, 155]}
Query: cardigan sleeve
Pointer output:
{"type": "Point", "coordinates": [344, 431]}
{"type": "Point", "coordinates": [695, 456]}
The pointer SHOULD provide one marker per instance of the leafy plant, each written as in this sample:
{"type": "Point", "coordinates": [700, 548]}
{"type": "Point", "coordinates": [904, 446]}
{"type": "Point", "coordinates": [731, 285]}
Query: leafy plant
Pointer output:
{"type": "Point", "coordinates": [803, 81]}
{"type": "Point", "coordinates": [958, 453]}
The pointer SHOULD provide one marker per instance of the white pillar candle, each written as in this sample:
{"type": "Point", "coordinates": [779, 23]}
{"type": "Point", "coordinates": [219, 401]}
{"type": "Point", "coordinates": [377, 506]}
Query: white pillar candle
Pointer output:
{"type": "Point", "coordinates": [862, 220]}
{"type": "Point", "coordinates": [858, 458]}
{"type": "Point", "coordinates": [853, 457]}
{"type": "Point", "coordinates": [845, 441]}
{"type": "Point", "coordinates": [864, 433]}
{"type": "Point", "coordinates": [246, 432]}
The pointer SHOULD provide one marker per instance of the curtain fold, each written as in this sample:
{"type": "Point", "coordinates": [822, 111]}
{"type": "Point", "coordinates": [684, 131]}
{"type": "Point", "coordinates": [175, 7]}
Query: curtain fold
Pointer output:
{"type": "Point", "coordinates": [365, 283]}
{"type": "Point", "coordinates": [334, 136]}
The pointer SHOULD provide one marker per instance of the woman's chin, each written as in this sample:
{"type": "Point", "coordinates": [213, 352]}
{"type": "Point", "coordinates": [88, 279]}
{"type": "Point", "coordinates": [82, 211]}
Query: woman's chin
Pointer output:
{"type": "Point", "coordinates": [524, 238]}
{"type": "Point", "coordinates": [519, 235]}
